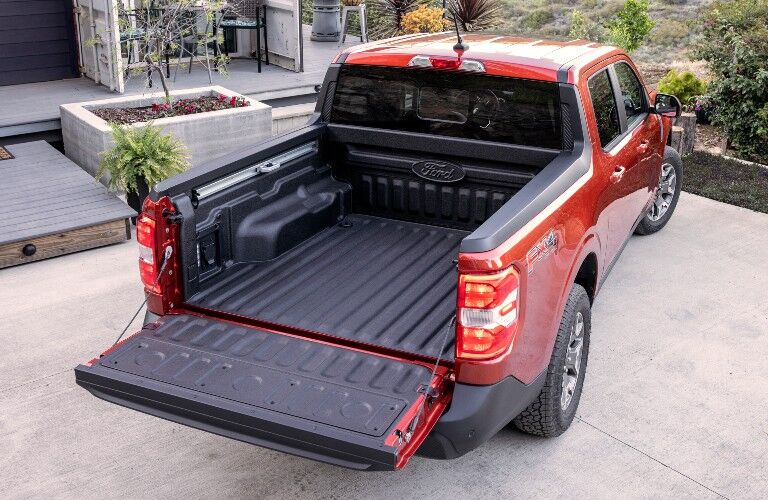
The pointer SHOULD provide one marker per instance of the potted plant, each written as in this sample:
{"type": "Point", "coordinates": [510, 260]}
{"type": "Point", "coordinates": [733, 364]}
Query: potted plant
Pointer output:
{"type": "Point", "coordinates": [140, 158]}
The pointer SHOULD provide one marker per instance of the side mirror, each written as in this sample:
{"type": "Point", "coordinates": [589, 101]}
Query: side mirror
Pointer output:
{"type": "Point", "coordinates": [667, 105]}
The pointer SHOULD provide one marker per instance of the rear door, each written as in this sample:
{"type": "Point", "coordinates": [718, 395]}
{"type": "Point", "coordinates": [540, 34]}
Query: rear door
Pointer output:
{"type": "Point", "coordinates": [307, 398]}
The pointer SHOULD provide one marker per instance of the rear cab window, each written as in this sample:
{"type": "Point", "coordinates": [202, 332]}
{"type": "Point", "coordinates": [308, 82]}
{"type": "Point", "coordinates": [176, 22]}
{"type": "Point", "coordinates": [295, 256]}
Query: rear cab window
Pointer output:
{"type": "Point", "coordinates": [449, 103]}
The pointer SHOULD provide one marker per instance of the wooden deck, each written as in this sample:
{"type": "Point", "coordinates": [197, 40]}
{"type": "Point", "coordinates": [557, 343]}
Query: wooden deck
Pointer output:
{"type": "Point", "coordinates": [49, 206]}
{"type": "Point", "coordinates": [34, 107]}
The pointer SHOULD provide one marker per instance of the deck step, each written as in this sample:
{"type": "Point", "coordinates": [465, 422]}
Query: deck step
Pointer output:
{"type": "Point", "coordinates": [49, 207]}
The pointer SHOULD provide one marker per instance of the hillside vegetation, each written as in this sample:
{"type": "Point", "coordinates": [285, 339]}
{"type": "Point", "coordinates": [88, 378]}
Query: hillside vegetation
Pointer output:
{"type": "Point", "coordinates": [552, 19]}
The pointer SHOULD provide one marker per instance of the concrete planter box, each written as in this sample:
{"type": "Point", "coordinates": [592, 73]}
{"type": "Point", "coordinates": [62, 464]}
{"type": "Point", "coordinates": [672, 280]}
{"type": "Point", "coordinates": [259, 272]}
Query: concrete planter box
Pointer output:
{"type": "Point", "coordinates": [290, 118]}
{"type": "Point", "coordinates": [206, 135]}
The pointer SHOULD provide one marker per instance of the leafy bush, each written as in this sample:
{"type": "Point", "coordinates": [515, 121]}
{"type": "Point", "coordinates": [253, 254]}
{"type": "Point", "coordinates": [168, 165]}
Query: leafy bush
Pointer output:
{"type": "Point", "coordinates": [734, 43]}
{"type": "Point", "coordinates": [631, 26]}
{"type": "Point", "coordinates": [424, 20]}
{"type": "Point", "coordinates": [142, 152]}
{"type": "Point", "coordinates": [583, 29]}
{"type": "Point", "coordinates": [306, 11]}
{"type": "Point", "coordinates": [386, 16]}
{"type": "Point", "coordinates": [537, 19]}
{"type": "Point", "coordinates": [475, 15]}
{"type": "Point", "coordinates": [685, 86]}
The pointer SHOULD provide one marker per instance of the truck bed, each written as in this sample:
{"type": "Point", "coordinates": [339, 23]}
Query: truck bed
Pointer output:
{"type": "Point", "coordinates": [378, 281]}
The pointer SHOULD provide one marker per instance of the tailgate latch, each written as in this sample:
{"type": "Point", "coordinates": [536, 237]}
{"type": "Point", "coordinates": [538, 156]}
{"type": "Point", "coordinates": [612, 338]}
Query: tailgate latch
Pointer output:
{"type": "Point", "coordinates": [430, 392]}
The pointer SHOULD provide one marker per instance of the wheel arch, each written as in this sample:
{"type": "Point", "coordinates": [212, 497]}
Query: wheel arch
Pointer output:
{"type": "Point", "coordinates": [586, 276]}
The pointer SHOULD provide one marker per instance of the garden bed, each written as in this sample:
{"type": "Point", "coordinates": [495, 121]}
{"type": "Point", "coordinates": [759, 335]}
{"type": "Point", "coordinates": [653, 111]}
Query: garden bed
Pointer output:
{"type": "Point", "coordinates": [180, 107]}
{"type": "Point", "coordinates": [725, 180]}
{"type": "Point", "coordinates": [237, 122]}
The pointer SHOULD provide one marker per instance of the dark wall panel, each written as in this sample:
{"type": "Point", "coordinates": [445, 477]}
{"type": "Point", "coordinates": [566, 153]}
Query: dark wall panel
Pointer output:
{"type": "Point", "coordinates": [37, 41]}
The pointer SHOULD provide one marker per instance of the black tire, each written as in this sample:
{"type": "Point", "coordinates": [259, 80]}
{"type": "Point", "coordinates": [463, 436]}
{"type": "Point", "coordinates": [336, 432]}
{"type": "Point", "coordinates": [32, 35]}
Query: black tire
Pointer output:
{"type": "Point", "coordinates": [647, 224]}
{"type": "Point", "coordinates": [545, 416]}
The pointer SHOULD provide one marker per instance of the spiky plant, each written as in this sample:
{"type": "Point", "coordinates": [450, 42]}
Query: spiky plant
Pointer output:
{"type": "Point", "coordinates": [387, 15]}
{"type": "Point", "coordinates": [141, 152]}
{"type": "Point", "coordinates": [475, 15]}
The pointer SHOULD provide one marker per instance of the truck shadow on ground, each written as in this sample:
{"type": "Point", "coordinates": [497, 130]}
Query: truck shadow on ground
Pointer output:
{"type": "Point", "coordinates": [508, 450]}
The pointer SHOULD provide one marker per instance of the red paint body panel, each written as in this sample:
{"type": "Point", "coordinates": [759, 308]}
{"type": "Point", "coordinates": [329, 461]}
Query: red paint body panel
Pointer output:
{"type": "Point", "coordinates": [594, 217]}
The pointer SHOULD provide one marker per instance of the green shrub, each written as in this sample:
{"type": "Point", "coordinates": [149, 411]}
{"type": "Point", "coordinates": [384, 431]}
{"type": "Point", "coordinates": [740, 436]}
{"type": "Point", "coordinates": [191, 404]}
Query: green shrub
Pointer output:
{"type": "Point", "coordinates": [141, 152]}
{"type": "Point", "coordinates": [685, 86]}
{"type": "Point", "coordinates": [306, 11]}
{"type": "Point", "coordinates": [631, 26]}
{"type": "Point", "coordinates": [734, 42]}
{"type": "Point", "coordinates": [537, 19]}
{"type": "Point", "coordinates": [582, 28]}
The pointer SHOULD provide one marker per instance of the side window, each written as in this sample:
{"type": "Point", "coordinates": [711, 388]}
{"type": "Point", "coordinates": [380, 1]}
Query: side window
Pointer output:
{"type": "Point", "coordinates": [631, 91]}
{"type": "Point", "coordinates": [604, 104]}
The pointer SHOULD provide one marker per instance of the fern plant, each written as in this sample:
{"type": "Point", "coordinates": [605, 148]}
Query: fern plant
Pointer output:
{"type": "Point", "coordinates": [141, 153]}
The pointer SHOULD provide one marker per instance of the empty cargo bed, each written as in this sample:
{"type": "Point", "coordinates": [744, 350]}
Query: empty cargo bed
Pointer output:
{"type": "Point", "coordinates": [378, 281]}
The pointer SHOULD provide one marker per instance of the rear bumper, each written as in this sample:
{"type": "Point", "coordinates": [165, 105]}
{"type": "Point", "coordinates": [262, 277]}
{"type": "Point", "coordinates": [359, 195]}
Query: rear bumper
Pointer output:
{"type": "Point", "coordinates": [476, 414]}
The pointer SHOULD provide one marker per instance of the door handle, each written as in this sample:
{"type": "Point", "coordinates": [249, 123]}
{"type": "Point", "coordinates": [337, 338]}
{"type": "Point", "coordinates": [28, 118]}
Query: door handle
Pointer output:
{"type": "Point", "coordinates": [643, 147]}
{"type": "Point", "coordinates": [617, 174]}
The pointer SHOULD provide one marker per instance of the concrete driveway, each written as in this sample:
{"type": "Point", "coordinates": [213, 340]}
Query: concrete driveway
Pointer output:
{"type": "Point", "coordinates": [675, 402]}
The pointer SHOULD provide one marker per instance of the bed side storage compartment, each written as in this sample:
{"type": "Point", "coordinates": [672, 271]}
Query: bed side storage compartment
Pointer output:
{"type": "Point", "coordinates": [282, 223]}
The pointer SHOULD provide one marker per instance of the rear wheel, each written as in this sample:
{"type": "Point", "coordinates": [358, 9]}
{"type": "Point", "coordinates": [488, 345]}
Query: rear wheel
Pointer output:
{"type": "Point", "coordinates": [670, 184]}
{"type": "Point", "coordinates": [554, 409]}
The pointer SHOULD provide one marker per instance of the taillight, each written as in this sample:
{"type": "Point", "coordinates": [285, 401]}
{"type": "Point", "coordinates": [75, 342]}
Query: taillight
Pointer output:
{"type": "Point", "coordinates": [145, 236]}
{"type": "Point", "coordinates": [454, 63]}
{"type": "Point", "coordinates": [487, 313]}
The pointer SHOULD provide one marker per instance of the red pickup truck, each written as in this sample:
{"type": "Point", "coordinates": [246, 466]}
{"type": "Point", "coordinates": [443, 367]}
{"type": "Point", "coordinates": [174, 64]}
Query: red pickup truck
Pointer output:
{"type": "Point", "coordinates": [411, 271]}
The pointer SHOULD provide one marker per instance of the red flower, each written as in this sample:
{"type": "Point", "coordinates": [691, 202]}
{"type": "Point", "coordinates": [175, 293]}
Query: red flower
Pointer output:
{"type": "Point", "coordinates": [222, 97]}
{"type": "Point", "coordinates": [233, 101]}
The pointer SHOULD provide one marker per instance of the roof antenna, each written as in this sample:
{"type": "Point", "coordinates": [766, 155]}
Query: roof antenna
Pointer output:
{"type": "Point", "coordinates": [460, 46]}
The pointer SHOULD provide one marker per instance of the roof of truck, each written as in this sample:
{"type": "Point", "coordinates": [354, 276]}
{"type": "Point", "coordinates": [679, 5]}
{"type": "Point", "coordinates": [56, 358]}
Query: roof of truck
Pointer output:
{"type": "Point", "coordinates": [502, 55]}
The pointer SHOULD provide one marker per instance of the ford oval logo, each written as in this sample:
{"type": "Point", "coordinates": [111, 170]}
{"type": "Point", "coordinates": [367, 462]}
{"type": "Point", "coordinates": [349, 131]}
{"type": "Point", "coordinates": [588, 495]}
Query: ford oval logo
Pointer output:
{"type": "Point", "coordinates": [438, 171]}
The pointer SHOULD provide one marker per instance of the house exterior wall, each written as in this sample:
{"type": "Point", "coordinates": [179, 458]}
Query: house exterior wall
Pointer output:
{"type": "Point", "coordinates": [37, 41]}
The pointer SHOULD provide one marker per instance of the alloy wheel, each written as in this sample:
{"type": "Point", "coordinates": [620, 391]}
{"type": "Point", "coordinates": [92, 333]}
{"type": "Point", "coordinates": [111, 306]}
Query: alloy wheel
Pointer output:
{"type": "Point", "coordinates": [572, 366]}
{"type": "Point", "coordinates": [665, 194]}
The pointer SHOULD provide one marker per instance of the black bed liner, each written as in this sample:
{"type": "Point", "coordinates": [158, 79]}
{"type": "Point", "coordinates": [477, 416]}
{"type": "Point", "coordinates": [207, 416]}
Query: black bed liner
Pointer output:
{"type": "Point", "coordinates": [378, 281]}
{"type": "Point", "coordinates": [302, 397]}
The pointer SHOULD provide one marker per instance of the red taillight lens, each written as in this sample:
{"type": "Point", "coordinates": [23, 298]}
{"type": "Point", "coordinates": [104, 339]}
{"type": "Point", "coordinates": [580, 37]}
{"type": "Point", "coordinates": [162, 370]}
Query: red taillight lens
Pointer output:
{"type": "Point", "coordinates": [145, 236]}
{"type": "Point", "coordinates": [487, 313]}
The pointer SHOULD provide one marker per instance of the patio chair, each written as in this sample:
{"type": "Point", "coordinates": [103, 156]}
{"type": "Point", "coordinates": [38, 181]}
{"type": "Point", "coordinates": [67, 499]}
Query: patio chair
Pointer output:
{"type": "Point", "coordinates": [131, 33]}
{"type": "Point", "coordinates": [251, 15]}
{"type": "Point", "coordinates": [351, 6]}
{"type": "Point", "coordinates": [190, 44]}
{"type": "Point", "coordinates": [132, 26]}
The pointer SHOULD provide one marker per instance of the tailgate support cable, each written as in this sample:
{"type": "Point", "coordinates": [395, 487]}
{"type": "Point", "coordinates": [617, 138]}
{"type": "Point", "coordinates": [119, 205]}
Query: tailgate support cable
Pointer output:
{"type": "Point", "coordinates": [166, 258]}
{"type": "Point", "coordinates": [429, 392]}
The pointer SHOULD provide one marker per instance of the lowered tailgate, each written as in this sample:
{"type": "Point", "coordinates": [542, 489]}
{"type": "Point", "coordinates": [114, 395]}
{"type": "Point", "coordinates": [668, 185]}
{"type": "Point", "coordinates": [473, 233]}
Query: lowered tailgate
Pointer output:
{"type": "Point", "coordinates": [311, 399]}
